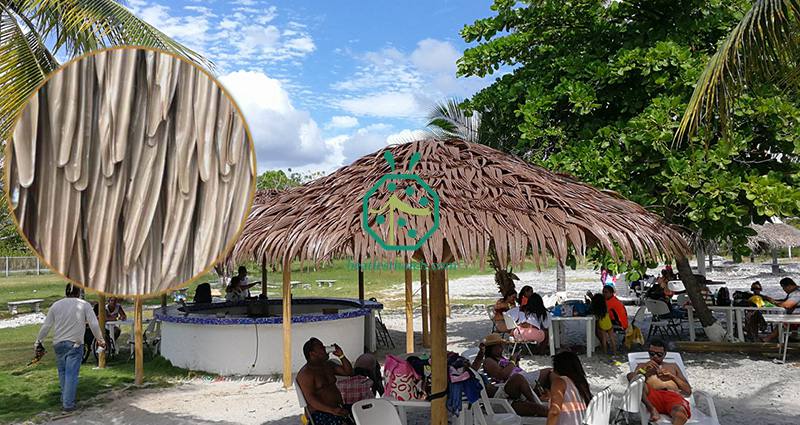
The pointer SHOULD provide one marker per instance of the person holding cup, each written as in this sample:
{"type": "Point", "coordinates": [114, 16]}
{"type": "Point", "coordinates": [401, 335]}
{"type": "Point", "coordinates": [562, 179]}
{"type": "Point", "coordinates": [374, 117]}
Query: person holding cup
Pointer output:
{"type": "Point", "coordinates": [317, 381]}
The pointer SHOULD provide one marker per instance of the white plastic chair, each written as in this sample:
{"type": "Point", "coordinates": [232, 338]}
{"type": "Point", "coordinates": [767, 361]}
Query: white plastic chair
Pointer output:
{"type": "Point", "coordinates": [659, 309]}
{"type": "Point", "coordinates": [302, 401]}
{"type": "Point", "coordinates": [598, 412]}
{"type": "Point", "coordinates": [375, 412]}
{"type": "Point", "coordinates": [504, 415]}
{"type": "Point", "coordinates": [634, 393]}
{"type": "Point", "coordinates": [511, 324]}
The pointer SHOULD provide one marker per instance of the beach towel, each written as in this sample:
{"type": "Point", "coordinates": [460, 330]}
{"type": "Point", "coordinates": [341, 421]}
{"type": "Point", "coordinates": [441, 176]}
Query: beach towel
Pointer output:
{"type": "Point", "coordinates": [402, 381]}
{"type": "Point", "coordinates": [633, 336]}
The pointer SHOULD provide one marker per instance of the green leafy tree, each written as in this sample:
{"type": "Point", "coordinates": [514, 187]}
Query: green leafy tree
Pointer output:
{"type": "Point", "coordinates": [277, 179]}
{"type": "Point", "coordinates": [597, 89]}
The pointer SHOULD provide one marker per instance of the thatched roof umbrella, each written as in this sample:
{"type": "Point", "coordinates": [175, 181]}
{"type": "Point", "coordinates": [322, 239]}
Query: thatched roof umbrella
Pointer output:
{"type": "Point", "coordinates": [773, 236]}
{"type": "Point", "coordinates": [485, 197]}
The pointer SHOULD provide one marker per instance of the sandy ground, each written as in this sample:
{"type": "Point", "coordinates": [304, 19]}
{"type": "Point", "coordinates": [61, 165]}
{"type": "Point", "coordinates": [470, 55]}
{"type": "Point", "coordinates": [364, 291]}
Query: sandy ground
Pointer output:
{"type": "Point", "coordinates": [746, 390]}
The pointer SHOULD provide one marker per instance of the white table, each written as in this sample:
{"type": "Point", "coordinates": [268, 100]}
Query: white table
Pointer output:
{"type": "Point", "coordinates": [321, 282]}
{"type": "Point", "coordinates": [729, 315]}
{"type": "Point", "coordinates": [110, 326]}
{"type": "Point", "coordinates": [780, 320]}
{"type": "Point", "coordinates": [732, 314]}
{"type": "Point", "coordinates": [555, 332]}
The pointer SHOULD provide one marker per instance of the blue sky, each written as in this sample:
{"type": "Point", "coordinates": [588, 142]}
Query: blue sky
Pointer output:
{"type": "Point", "coordinates": [322, 83]}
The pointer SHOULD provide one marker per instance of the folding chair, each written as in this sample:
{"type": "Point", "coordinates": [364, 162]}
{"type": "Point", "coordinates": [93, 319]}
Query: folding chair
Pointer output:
{"type": "Point", "coordinates": [151, 340]}
{"type": "Point", "coordinates": [661, 320]}
{"type": "Point", "coordinates": [382, 336]}
{"type": "Point", "coordinates": [511, 325]}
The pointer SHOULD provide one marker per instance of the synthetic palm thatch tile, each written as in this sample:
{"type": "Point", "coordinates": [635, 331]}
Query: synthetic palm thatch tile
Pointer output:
{"type": "Point", "coordinates": [131, 171]}
{"type": "Point", "coordinates": [486, 196]}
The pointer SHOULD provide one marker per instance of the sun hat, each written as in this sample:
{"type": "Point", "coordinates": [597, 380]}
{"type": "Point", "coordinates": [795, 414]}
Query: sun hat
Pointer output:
{"type": "Point", "coordinates": [493, 339]}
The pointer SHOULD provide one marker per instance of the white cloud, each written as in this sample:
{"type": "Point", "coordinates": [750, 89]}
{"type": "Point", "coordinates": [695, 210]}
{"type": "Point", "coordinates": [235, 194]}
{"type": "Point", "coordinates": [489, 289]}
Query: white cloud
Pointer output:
{"type": "Point", "coordinates": [283, 136]}
{"type": "Point", "coordinates": [342, 121]}
{"type": "Point", "coordinates": [435, 56]}
{"type": "Point", "coordinates": [390, 83]}
{"type": "Point", "coordinates": [247, 37]}
{"type": "Point", "coordinates": [406, 136]}
{"type": "Point", "coordinates": [395, 105]}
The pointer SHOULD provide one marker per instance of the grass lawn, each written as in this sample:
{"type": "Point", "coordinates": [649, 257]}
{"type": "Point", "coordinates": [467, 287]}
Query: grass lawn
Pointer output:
{"type": "Point", "coordinates": [27, 391]}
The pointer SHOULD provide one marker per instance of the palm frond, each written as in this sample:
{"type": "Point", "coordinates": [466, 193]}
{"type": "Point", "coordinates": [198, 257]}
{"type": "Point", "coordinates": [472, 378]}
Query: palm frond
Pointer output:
{"type": "Point", "coordinates": [760, 48]}
{"type": "Point", "coordinates": [83, 25]}
{"type": "Point", "coordinates": [448, 120]}
{"type": "Point", "coordinates": [24, 64]}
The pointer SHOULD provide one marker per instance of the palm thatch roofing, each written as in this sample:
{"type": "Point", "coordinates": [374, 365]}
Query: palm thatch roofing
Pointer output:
{"type": "Point", "coordinates": [263, 196]}
{"type": "Point", "coordinates": [774, 235]}
{"type": "Point", "coordinates": [486, 197]}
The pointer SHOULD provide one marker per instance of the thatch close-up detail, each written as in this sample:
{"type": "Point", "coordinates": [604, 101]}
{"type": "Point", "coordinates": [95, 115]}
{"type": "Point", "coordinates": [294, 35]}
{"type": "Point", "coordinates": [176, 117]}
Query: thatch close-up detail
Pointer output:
{"type": "Point", "coordinates": [130, 171]}
{"type": "Point", "coordinates": [774, 236]}
{"type": "Point", "coordinates": [486, 196]}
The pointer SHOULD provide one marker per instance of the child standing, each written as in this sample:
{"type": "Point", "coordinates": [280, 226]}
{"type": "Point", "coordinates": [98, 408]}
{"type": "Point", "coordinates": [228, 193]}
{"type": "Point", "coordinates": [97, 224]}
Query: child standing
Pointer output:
{"type": "Point", "coordinates": [605, 330]}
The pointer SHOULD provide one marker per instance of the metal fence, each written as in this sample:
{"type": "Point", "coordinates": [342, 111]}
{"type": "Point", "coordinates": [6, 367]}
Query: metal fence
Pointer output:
{"type": "Point", "coordinates": [21, 265]}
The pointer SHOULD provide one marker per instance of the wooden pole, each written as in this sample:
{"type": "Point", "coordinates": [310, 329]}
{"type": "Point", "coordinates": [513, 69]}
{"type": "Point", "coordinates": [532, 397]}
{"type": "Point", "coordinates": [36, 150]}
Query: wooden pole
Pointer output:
{"type": "Point", "coordinates": [101, 317]}
{"type": "Point", "coordinates": [409, 311]}
{"type": "Point", "coordinates": [138, 341]}
{"type": "Point", "coordinates": [561, 276]}
{"type": "Point", "coordinates": [426, 337]}
{"type": "Point", "coordinates": [775, 268]}
{"type": "Point", "coordinates": [287, 323]}
{"type": "Point", "coordinates": [447, 294]}
{"type": "Point", "coordinates": [438, 346]}
{"type": "Point", "coordinates": [360, 283]}
{"type": "Point", "coordinates": [264, 278]}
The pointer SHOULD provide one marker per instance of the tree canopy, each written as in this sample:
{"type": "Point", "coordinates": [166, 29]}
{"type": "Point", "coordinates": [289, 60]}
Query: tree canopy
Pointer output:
{"type": "Point", "coordinates": [597, 89]}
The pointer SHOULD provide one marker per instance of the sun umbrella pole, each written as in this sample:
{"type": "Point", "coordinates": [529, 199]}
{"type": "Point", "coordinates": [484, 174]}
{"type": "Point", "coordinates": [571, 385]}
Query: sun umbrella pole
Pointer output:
{"type": "Point", "coordinates": [409, 310]}
{"type": "Point", "coordinates": [447, 294]}
{"type": "Point", "coordinates": [438, 346]}
{"type": "Point", "coordinates": [101, 317]}
{"type": "Point", "coordinates": [423, 278]}
{"type": "Point", "coordinates": [775, 268]}
{"type": "Point", "coordinates": [138, 341]}
{"type": "Point", "coordinates": [287, 323]}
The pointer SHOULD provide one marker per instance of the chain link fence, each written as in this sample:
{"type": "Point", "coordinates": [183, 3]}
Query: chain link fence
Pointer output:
{"type": "Point", "coordinates": [21, 265]}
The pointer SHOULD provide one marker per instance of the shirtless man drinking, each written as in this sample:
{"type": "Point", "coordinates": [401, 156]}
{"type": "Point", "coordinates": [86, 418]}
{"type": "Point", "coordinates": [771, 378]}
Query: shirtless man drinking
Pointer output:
{"type": "Point", "coordinates": [665, 387]}
{"type": "Point", "coordinates": [317, 380]}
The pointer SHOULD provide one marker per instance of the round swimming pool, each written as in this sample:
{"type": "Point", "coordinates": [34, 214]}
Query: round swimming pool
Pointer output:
{"type": "Point", "coordinates": [247, 338]}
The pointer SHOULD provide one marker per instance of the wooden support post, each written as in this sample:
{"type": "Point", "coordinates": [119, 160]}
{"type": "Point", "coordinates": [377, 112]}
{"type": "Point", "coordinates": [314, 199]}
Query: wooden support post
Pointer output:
{"type": "Point", "coordinates": [287, 323]}
{"type": "Point", "coordinates": [438, 346]}
{"type": "Point", "coordinates": [426, 337]}
{"type": "Point", "coordinates": [447, 294]}
{"type": "Point", "coordinates": [360, 282]}
{"type": "Point", "coordinates": [138, 342]}
{"type": "Point", "coordinates": [264, 278]}
{"type": "Point", "coordinates": [561, 276]}
{"type": "Point", "coordinates": [101, 317]}
{"type": "Point", "coordinates": [163, 301]}
{"type": "Point", "coordinates": [409, 311]}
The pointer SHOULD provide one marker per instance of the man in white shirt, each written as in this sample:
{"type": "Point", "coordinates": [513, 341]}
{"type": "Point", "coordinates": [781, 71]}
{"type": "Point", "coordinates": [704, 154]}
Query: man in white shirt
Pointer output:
{"type": "Point", "coordinates": [68, 318]}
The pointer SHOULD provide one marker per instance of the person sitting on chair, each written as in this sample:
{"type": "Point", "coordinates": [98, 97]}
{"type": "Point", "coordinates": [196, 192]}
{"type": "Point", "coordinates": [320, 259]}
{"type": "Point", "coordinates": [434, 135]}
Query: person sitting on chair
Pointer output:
{"type": "Point", "coordinates": [791, 304]}
{"type": "Point", "coordinates": [665, 386]}
{"type": "Point", "coordinates": [317, 381]}
{"type": "Point", "coordinates": [515, 388]}
{"type": "Point", "coordinates": [502, 305]}
{"type": "Point", "coordinates": [114, 311]}
{"type": "Point", "coordinates": [501, 369]}
{"type": "Point", "coordinates": [533, 321]}
{"type": "Point", "coordinates": [239, 289]}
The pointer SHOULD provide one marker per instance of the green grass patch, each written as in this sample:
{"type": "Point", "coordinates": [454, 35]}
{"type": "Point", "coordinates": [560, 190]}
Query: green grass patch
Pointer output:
{"type": "Point", "coordinates": [25, 391]}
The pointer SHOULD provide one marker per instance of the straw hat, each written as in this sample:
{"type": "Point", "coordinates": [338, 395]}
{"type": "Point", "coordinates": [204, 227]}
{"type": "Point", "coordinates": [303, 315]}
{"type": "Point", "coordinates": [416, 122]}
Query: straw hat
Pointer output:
{"type": "Point", "coordinates": [493, 339]}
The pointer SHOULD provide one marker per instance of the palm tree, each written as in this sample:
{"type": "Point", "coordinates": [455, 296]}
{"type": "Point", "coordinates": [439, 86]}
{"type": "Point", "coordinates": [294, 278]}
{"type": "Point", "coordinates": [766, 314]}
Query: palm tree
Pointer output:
{"type": "Point", "coordinates": [33, 33]}
{"type": "Point", "coordinates": [448, 119]}
{"type": "Point", "coordinates": [764, 46]}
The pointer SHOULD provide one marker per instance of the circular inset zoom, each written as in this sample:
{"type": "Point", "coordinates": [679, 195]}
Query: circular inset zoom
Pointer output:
{"type": "Point", "coordinates": [131, 171]}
